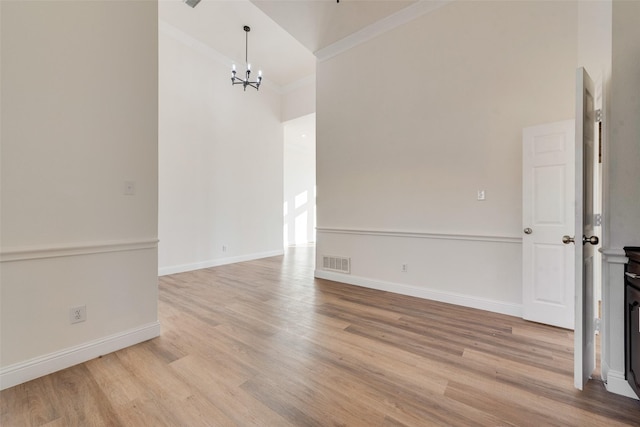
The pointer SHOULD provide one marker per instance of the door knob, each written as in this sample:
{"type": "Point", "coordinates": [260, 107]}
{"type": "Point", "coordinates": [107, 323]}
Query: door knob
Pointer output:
{"type": "Point", "coordinates": [567, 239]}
{"type": "Point", "coordinates": [593, 240]}
{"type": "Point", "coordinates": [528, 230]}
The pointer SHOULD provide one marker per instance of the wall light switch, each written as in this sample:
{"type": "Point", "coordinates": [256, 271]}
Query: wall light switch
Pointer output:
{"type": "Point", "coordinates": [481, 195]}
{"type": "Point", "coordinates": [129, 188]}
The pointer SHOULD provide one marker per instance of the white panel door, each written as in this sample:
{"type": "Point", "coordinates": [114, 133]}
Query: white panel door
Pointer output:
{"type": "Point", "coordinates": [584, 336]}
{"type": "Point", "coordinates": [547, 215]}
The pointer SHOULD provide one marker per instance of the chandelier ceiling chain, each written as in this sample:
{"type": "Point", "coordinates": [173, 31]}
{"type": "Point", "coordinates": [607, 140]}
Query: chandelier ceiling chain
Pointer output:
{"type": "Point", "coordinates": [247, 79]}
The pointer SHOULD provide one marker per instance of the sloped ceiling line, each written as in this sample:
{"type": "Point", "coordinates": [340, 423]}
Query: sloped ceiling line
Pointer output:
{"type": "Point", "coordinates": [395, 20]}
{"type": "Point", "coordinates": [209, 52]}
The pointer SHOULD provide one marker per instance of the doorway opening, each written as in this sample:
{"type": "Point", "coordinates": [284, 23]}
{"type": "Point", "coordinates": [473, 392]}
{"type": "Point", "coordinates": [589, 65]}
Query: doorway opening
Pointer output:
{"type": "Point", "coordinates": [299, 206]}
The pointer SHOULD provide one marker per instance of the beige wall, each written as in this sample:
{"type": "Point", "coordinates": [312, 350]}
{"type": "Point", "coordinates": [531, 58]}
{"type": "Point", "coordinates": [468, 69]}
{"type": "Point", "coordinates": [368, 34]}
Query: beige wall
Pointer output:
{"type": "Point", "coordinates": [79, 118]}
{"type": "Point", "coordinates": [624, 148]}
{"type": "Point", "coordinates": [621, 158]}
{"type": "Point", "coordinates": [436, 116]}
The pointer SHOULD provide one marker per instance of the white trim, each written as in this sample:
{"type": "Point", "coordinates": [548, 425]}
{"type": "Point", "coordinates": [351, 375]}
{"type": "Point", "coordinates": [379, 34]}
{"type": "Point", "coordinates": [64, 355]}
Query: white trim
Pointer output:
{"type": "Point", "coordinates": [39, 252]}
{"type": "Point", "coordinates": [421, 235]}
{"type": "Point", "coordinates": [617, 383]}
{"type": "Point", "coordinates": [25, 371]}
{"type": "Point", "coordinates": [395, 20]}
{"type": "Point", "coordinates": [614, 255]}
{"type": "Point", "coordinates": [430, 294]}
{"type": "Point", "coordinates": [173, 269]}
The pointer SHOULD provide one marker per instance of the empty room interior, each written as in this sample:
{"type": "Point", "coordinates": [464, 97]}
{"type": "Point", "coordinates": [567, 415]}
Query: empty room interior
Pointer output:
{"type": "Point", "coordinates": [319, 212]}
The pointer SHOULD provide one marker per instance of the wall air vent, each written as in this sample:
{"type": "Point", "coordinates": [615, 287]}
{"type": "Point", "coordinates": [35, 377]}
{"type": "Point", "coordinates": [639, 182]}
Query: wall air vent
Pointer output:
{"type": "Point", "coordinates": [336, 263]}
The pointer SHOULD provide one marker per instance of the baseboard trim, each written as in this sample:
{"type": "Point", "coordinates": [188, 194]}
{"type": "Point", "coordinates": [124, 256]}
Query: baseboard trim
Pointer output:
{"type": "Point", "coordinates": [173, 269]}
{"type": "Point", "coordinates": [617, 383]}
{"type": "Point", "coordinates": [430, 294]}
{"type": "Point", "coordinates": [22, 372]}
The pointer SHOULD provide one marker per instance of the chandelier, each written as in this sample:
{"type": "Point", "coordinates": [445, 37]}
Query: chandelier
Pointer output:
{"type": "Point", "coordinates": [235, 80]}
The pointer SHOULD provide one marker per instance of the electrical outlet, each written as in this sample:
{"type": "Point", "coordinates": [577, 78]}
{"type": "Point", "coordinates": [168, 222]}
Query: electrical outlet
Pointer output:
{"type": "Point", "coordinates": [224, 248]}
{"type": "Point", "coordinates": [405, 268]}
{"type": "Point", "coordinates": [78, 314]}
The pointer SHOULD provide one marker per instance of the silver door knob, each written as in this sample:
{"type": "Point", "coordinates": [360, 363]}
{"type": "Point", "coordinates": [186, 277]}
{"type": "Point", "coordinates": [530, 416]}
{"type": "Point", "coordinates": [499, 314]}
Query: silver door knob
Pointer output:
{"type": "Point", "coordinates": [593, 240]}
{"type": "Point", "coordinates": [567, 239]}
{"type": "Point", "coordinates": [528, 230]}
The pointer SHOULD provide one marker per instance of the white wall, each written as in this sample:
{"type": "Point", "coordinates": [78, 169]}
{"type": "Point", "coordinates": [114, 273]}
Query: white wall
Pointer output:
{"type": "Point", "coordinates": [621, 184]}
{"type": "Point", "coordinates": [221, 161]}
{"type": "Point", "coordinates": [437, 116]}
{"type": "Point", "coordinates": [300, 180]}
{"type": "Point", "coordinates": [624, 148]}
{"type": "Point", "coordinates": [79, 118]}
{"type": "Point", "coordinates": [299, 99]}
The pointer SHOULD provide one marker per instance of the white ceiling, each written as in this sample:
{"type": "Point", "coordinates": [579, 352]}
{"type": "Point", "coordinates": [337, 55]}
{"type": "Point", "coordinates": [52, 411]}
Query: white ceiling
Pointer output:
{"type": "Point", "coordinates": [319, 23]}
{"type": "Point", "coordinates": [284, 33]}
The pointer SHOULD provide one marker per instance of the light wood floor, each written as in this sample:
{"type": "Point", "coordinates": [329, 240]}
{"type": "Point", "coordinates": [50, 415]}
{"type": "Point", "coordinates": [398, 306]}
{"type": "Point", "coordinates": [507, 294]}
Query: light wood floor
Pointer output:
{"type": "Point", "coordinates": [264, 344]}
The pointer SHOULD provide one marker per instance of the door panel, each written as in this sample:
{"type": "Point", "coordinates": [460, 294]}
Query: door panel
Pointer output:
{"type": "Point", "coordinates": [548, 204]}
{"type": "Point", "coordinates": [549, 186]}
{"type": "Point", "coordinates": [551, 271]}
{"type": "Point", "coordinates": [584, 335]}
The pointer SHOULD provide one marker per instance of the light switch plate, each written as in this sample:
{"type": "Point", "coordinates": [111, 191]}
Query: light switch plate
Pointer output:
{"type": "Point", "coordinates": [129, 188]}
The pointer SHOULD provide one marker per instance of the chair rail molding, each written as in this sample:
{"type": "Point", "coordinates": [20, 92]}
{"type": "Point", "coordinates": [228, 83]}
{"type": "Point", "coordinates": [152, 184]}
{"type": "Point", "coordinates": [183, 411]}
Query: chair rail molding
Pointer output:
{"type": "Point", "coordinates": [62, 250]}
{"type": "Point", "coordinates": [421, 235]}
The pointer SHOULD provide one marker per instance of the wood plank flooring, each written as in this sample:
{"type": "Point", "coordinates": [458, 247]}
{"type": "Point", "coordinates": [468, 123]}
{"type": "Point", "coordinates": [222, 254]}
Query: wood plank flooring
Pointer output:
{"type": "Point", "coordinates": [263, 343]}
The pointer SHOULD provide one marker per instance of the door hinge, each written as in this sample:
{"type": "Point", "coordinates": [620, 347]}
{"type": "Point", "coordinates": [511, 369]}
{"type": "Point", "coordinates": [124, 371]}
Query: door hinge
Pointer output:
{"type": "Point", "coordinates": [598, 115]}
{"type": "Point", "coordinates": [597, 220]}
{"type": "Point", "coordinates": [596, 324]}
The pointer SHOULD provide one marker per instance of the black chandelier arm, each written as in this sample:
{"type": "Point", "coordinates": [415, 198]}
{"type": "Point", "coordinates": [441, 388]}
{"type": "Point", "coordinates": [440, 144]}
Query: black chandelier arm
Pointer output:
{"type": "Point", "coordinates": [235, 80]}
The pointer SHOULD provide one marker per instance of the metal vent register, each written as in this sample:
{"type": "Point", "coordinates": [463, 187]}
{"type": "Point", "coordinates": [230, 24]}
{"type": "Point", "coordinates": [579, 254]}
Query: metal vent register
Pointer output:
{"type": "Point", "coordinates": [336, 263]}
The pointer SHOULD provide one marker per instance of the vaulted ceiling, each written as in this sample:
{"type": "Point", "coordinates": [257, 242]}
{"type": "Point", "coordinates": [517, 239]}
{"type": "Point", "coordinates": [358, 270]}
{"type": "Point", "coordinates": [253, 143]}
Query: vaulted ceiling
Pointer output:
{"type": "Point", "coordinates": [319, 23]}
{"type": "Point", "coordinates": [284, 33]}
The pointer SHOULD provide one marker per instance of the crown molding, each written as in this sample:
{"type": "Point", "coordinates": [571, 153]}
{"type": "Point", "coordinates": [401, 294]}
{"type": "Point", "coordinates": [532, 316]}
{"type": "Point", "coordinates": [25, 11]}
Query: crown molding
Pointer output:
{"type": "Point", "coordinates": [408, 14]}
